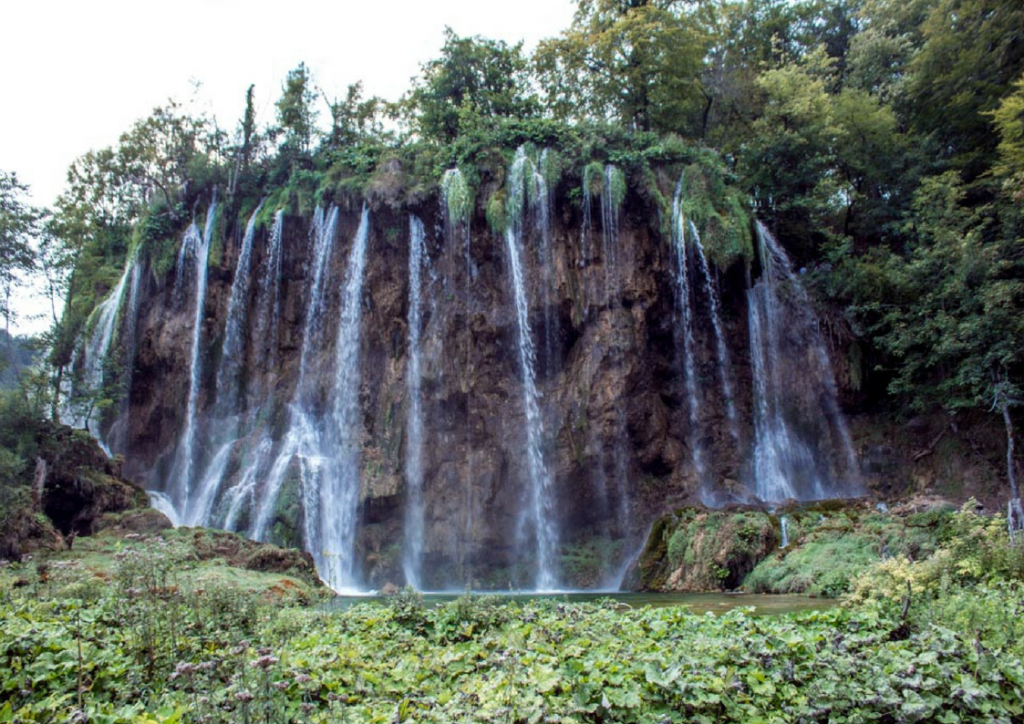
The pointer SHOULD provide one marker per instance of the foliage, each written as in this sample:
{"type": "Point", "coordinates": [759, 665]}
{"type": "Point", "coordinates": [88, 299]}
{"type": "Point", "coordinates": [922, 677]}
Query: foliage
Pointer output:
{"type": "Point", "coordinates": [296, 113]}
{"type": "Point", "coordinates": [474, 81]}
{"type": "Point", "coordinates": [18, 222]}
{"type": "Point", "coordinates": [471, 658]}
{"type": "Point", "coordinates": [636, 62]}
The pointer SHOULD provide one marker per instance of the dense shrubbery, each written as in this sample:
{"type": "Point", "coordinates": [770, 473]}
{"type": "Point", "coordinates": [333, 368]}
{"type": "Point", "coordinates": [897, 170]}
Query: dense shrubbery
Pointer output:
{"type": "Point", "coordinates": [151, 642]}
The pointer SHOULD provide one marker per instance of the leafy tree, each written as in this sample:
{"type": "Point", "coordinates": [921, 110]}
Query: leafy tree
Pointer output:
{"type": "Point", "coordinates": [164, 153]}
{"type": "Point", "coordinates": [634, 61]}
{"type": "Point", "coordinates": [296, 111]}
{"type": "Point", "coordinates": [355, 118]}
{"type": "Point", "coordinates": [949, 312]}
{"type": "Point", "coordinates": [473, 80]}
{"type": "Point", "coordinates": [970, 55]}
{"type": "Point", "coordinates": [1008, 119]}
{"type": "Point", "coordinates": [18, 224]}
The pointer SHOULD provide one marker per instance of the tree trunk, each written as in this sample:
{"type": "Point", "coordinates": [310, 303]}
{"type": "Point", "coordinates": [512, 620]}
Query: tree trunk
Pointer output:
{"type": "Point", "coordinates": [1014, 511]}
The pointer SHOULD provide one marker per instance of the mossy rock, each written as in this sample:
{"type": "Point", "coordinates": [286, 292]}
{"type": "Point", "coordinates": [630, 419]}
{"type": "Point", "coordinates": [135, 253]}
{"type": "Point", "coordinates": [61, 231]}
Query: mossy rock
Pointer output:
{"type": "Point", "coordinates": [830, 545]}
{"type": "Point", "coordinates": [697, 549]}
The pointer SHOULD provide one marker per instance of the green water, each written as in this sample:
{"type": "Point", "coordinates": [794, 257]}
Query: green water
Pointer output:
{"type": "Point", "coordinates": [717, 603]}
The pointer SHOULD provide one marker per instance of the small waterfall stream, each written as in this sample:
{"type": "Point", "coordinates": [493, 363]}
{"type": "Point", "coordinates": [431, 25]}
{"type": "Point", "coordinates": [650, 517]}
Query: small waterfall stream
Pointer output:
{"type": "Point", "coordinates": [97, 348]}
{"type": "Point", "coordinates": [722, 351]}
{"type": "Point", "coordinates": [226, 423]}
{"type": "Point", "coordinates": [538, 514]}
{"type": "Point", "coordinates": [456, 209]}
{"type": "Point", "coordinates": [413, 558]}
{"type": "Point", "coordinates": [301, 438]}
{"type": "Point", "coordinates": [687, 340]}
{"type": "Point", "coordinates": [333, 541]}
{"type": "Point", "coordinates": [194, 248]}
{"type": "Point", "coordinates": [784, 338]}
{"type": "Point", "coordinates": [233, 354]}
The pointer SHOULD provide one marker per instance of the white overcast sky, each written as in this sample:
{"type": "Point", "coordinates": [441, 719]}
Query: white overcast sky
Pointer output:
{"type": "Point", "coordinates": [75, 74]}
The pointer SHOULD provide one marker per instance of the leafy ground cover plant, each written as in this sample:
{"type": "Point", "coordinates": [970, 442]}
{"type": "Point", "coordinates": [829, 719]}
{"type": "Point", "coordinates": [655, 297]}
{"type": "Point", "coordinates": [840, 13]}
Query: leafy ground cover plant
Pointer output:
{"type": "Point", "coordinates": [71, 650]}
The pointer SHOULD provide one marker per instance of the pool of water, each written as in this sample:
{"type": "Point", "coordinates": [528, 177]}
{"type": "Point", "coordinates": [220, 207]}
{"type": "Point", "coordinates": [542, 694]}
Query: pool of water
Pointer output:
{"type": "Point", "coordinates": [763, 604]}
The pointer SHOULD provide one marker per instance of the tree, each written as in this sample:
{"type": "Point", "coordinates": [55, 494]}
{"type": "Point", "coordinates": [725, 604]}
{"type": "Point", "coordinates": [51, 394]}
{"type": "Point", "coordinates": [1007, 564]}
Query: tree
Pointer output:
{"type": "Point", "coordinates": [473, 80]}
{"type": "Point", "coordinates": [950, 314]}
{"type": "Point", "coordinates": [971, 54]}
{"type": "Point", "coordinates": [18, 224]}
{"type": "Point", "coordinates": [1008, 119]}
{"type": "Point", "coordinates": [296, 111]}
{"type": "Point", "coordinates": [355, 118]}
{"type": "Point", "coordinates": [633, 61]}
{"type": "Point", "coordinates": [164, 152]}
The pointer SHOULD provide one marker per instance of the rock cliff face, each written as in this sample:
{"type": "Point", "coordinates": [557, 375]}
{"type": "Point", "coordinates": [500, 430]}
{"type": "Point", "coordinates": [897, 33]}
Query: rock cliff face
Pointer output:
{"type": "Point", "coordinates": [618, 441]}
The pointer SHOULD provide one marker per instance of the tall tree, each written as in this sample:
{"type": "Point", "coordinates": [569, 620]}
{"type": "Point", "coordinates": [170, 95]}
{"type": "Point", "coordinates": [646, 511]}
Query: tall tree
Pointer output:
{"type": "Point", "coordinates": [296, 110]}
{"type": "Point", "coordinates": [637, 62]}
{"type": "Point", "coordinates": [474, 79]}
{"type": "Point", "coordinates": [18, 224]}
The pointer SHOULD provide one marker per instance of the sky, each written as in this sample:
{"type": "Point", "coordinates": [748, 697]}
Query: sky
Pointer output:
{"type": "Point", "coordinates": [77, 74]}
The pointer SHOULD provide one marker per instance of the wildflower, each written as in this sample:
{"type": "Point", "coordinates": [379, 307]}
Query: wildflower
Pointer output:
{"type": "Point", "coordinates": [303, 678]}
{"type": "Point", "coordinates": [264, 662]}
{"type": "Point", "coordinates": [244, 696]}
{"type": "Point", "coordinates": [183, 669]}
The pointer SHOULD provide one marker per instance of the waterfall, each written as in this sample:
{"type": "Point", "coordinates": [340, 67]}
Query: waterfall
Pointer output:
{"type": "Point", "coordinates": [724, 365]}
{"type": "Point", "coordinates": [688, 343]}
{"type": "Point", "coordinates": [456, 207]}
{"type": "Point", "coordinates": [538, 515]}
{"type": "Point", "coordinates": [195, 248]}
{"type": "Point", "coordinates": [542, 204]}
{"type": "Point", "coordinates": [223, 435]}
{"type": "Point", "coordinates": [96, 350]}
{"type": "Point", "coordinates": [302, 438]}
{"type": "Point", "coordinates": [414, 415]}
{"type": "Point", "coordinates": [325, 444]}
{"type": "Point", "coordinates": [797, 421]}
{"type": "Point", "coordinates": [118, 433]}
{"type": "Point", "coordinates": [784, 526]}
{"type": "Point", "coordinates": [333, 545]}
{"type": "Point", "coordinates": [586, 235]}
{"type": "Point", "coordinates": [268, 304]}
{"type": "Point", "coordinates": [610, 206]}
{"type": "Point", "coordinates": [233, 351]}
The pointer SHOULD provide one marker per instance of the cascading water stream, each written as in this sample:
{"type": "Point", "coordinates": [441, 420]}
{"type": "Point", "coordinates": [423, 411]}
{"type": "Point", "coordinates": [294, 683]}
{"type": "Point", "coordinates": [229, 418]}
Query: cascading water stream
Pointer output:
{"type": "Point", "coordinates": [302, 437]}
{"type": "Point", "coordinates": [98, 347]}
{"type": "Point", "coordinates": [413, 559]}
{"type": "Point", "coordinates": [182, 480]}
{"type": "Point", "coordinates": [688, 343]}
{"type": "Point", "coordinates": [268, 303]}
{"type": "Point", "coordinates": [724, 364]}
{"type": "Point", "coordinates": [539, 512]}
{"type": "Point", "coordinates": [118, 433]}
{"type": "Point", "coordinates": [784, 337]}
{"type": "Point", "coordinates": [456, 204]}
{"type": "Point", "coordinates": [224, 433]}
{"type": "Point", "coordinates": [586, 240]}
{"type": "Point", "coordinates": [256, 458]}
{"type": "Point", "coordinates": [233, 354]}
{"type": "Point", "coordinates": [333, 545]}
